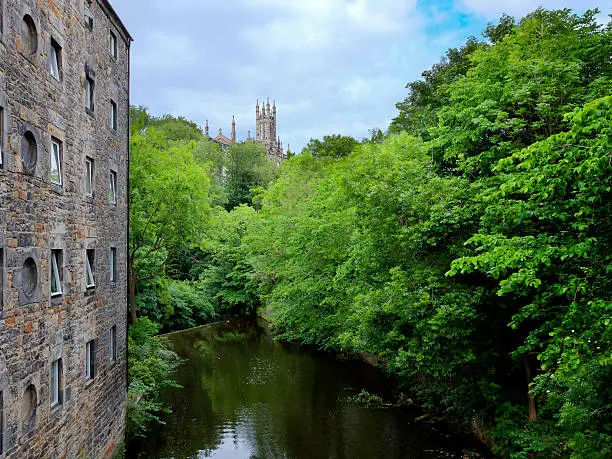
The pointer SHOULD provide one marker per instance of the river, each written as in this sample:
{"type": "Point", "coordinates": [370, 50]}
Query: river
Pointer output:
{"type": "Point", "coordinates": [245, 396]}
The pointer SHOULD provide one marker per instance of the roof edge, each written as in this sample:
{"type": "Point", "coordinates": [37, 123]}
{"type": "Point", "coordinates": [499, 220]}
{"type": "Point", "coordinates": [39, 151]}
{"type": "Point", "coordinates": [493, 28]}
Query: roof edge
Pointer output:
{"type": "Point", "coordinates": [113, 13]}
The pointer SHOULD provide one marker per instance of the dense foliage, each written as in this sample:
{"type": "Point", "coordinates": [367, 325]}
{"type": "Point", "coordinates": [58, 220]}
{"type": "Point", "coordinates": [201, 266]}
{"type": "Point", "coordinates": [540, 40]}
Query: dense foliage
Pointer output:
{"type": "Point", "coordinates": [474, 259]}
{"type": "Point", "coordinates": [469, 251]}
{"type": "Point", "coordinates": [151, 365]}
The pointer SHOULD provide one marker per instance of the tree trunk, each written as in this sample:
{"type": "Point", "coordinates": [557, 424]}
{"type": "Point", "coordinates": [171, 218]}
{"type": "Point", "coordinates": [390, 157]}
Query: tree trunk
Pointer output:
{"type": "Point", "coordinates": [529, 373]}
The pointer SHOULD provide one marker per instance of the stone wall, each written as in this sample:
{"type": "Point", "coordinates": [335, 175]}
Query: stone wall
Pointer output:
{"type": "Point", "coordinates": [38, 216]}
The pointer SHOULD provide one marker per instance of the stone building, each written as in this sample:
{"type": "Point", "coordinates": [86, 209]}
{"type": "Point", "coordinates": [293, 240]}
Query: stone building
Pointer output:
{"type": "Point", "coordinates": [64, 107]}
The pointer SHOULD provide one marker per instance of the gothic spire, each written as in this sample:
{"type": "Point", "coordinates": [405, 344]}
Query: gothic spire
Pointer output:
{"type": "Point", "coordinates": [206, 129]}
{"type": "Point", "coordinates": [233, 129]}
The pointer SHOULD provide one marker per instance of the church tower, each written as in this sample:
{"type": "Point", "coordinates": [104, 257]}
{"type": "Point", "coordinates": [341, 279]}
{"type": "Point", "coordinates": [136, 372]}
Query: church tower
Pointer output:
{"type": "Point", "coordinates": [265, 131]}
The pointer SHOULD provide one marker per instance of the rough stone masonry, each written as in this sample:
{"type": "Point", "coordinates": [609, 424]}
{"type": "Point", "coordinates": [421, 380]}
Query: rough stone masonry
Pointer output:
{"type": "Point", "coordinates": [64, 107]}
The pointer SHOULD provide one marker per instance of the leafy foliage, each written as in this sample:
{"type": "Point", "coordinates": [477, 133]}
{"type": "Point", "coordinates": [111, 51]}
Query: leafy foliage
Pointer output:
{"type": "Point", "coordinates": [151, 365]}
{"type": "Point", "coordinates": [468, 251]}
{"type": "Point", "coordinates": [334, 146]}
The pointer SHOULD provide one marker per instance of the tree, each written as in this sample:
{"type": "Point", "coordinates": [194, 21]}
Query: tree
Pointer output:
{"type": "Point", "coordinates": [333, 146]}
{"type": "Point", "coordinates": [246, 167]}
{"type": "Point", "coordinates": [168, 204]}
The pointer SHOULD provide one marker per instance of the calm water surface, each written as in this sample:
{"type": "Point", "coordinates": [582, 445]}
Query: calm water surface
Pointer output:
{"type": "Point", "coordinates": [244, 396]}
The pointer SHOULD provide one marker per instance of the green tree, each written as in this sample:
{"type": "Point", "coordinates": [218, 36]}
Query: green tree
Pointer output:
{"type": "Point", "coordinates": [168, 204]}
{"type": "Point", "coordinates": [246, 167]}
{"type": "Point", "coordinates": [333, 146]}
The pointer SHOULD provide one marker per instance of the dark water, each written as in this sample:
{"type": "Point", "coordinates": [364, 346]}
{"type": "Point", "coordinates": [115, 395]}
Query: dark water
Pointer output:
{"type": "Point", "coordinates": [244, 396]}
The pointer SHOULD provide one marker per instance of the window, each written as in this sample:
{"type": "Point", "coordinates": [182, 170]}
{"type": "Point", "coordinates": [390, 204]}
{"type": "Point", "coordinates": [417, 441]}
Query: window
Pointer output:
{"type": "Point", "coordinates": [112, 191]}
{"type": "Point", "coordinates": [112, 268]}
{"type": "Point", "coordinates": [56, 162]}
{"type": "Point", "coordinates": [89, 17]}
{"type": "Point", "coordinates": [112, 344]}
{"type": "Point", "coordinates": [112, 122]}
{"type": "Point", "coordinates": [89, 176]}
{"type": "Point", "coordinates": [113, 44]}
{"type": "Point", "coordinates": [56, 272]}
{"type": "Point", "coordinates": [90, 268]}
{"type": "Point", "coordinates": [55, 59]}
{"type": "Point", "coordinates": [89, 93]}
{"type": "Point", "coordinates": [90, 359]}
{"type": "Point", "coordinates": [55, 386]}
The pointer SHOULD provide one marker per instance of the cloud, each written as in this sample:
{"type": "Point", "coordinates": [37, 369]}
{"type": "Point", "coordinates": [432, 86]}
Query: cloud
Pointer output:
{"type": "Point", "coordinates": [333, 66]}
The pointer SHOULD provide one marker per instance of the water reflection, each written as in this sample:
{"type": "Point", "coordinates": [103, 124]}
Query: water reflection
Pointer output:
{"type": "Point", "coordinates": [244, 396]}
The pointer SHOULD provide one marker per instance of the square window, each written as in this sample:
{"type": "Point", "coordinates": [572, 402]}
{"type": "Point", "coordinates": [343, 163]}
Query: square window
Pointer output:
{"type": "Point", "coordinates": [89, 93]}
{"type": "Point", "coordinates": [55, 59]}
{"type": "Point", "coordinates": [90, 268]}
{"type": "Point", "coordinates": [56, 272]}
{"type": "Point", "coordinates": [112, 121]}
{"type": "Point", "coordinates": [112, 269]}
{"type": "Point", "coordinates": [112, 191]}
{"type": "Point", "coordinates": [113, 44]}
{"type": "Point", "coordinates": [55, 386]}
{"type": "Point", "coordinates": [112, 344]}
{"type": "Point", "coordinates": [89, 176]}
{"type": "Point", "coordinates": [56, 162]}
{"type": "Point", "coordinates": [90, 354]}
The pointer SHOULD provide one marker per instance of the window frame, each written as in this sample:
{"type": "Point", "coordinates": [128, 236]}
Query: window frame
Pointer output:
{"type": "Point", "coordinates": [112, 344]}
{"type": "Point", "coordinates": [90, 94]}
{"type": "Point", "coordinates": [89, 176]}
{"type": "Point", "coordinates": [56, 272]}
{"type": "Point", "coordinates": [112, 191]}
{"type": "Point", "coordinates": [114, 45]}
{"type": "Point", "coordinates": [112, 266]}
{"type": "Point", "coordinates": [55, 57]}
{"type": "Point", "coordinates": [55, 383]}
{"type": "Point", "coordinates": [113, 116]}
{"type": "Point", "coordinates": [57, 154]}
{"type": "Point", "coordinates": [90, 358]}
{"type": "Point", "coordinates": [90, 268]}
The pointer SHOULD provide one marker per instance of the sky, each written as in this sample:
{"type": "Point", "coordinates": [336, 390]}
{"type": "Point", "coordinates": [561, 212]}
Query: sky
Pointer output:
{"type": "Point", "coordinates": [332, 66]}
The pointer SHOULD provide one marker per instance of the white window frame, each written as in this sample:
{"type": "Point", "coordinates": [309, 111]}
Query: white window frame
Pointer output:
{"type": "Point", "coordinates": [89, 93]}
{"type": "Point", "coordinates": [113, 45]}
{"type": "Point", "coordinates": [112, 266]}
{"type": "Point", "coordinates": [56, 266]}
{"type": "Point", "coordinates": [112, 344]}
{"type": "Point", "coordinates": [89, 360]}
{"type": "Point", "coordinates": [55, 382]}
{"type": "Point", "coordinates": [90, 279]}
{"type": "Point", "coordinates": [56, 157]}
{"type": "Point", "coordinates": [112, 122]}
{"type": "Point", "coordinates": [54, 59]}
{"type": "Point", "coordinates": [112, 191]}
{"type": "Point", "coordinates": [89, 176]}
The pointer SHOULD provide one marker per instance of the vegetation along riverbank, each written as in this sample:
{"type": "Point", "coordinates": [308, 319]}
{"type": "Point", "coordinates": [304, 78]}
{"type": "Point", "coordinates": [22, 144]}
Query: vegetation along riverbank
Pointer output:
{"type": "Point", "coordinates": [468, 248]}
